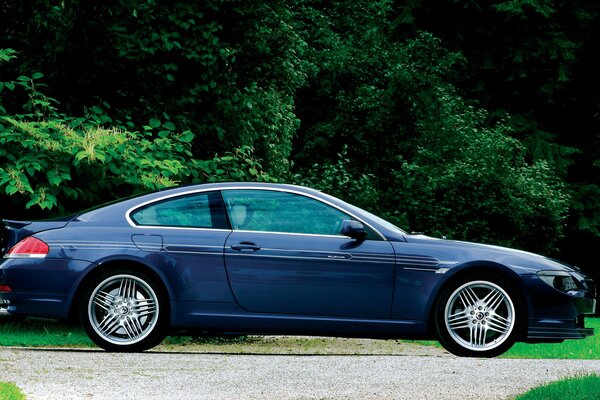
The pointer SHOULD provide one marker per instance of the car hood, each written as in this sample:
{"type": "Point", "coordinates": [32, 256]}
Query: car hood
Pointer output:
{"type": "Point", "coordinates": [457, 253]}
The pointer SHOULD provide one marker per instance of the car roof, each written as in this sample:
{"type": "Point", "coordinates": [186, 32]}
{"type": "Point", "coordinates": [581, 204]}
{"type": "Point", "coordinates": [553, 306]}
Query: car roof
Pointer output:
{"type": "Point", "coordinates": [115, 214]}
{"type": "Point", "coordinates": [115, 210]}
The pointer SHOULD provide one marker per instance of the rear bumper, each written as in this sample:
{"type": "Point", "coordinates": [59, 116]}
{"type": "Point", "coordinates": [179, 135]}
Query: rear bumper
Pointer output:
{"type": "Point", "coordinates": [3, 306]}
{"type": "Point", "coordinates": [34, 304]}
{"type": "Point", "coordinates": [39, 287]}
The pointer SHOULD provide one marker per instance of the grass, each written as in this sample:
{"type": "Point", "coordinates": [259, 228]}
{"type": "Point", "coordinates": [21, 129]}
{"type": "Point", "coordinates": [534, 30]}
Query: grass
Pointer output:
{"type": "Point", "coordinates": [34, 332]}
{"type": "Point", "coordinates": [37, 332]}
{"type": "Point", "coordinates": [9, 391]}
{"type": "Point", "coordinates": [578, 388]}
{"type": "Point", "coordinates": [587, 349]}
{"type": "Point", "coordinates": [41, 332]}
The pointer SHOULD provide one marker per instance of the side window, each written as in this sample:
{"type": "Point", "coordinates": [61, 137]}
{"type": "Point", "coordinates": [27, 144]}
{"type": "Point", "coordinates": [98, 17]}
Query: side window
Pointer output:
{"type": "Point", "coordinates": [274, 211]}
{"type": "Point", "coordinates": [201, 210]}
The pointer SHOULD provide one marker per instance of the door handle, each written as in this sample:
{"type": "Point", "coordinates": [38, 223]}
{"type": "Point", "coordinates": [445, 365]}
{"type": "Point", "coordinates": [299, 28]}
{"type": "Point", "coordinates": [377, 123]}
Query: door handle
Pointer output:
{"type": "Point", "coordinates": [245, 246]}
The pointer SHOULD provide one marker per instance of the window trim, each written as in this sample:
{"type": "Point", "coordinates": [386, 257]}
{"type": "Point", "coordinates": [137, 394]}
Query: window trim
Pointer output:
{"type": "Point", "coordinates": [216, 197]}
{"type": "Point", "coordinates": [243, 187]}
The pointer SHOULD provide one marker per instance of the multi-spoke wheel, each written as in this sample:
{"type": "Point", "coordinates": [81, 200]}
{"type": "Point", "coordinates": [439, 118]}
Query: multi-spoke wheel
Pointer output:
{"type": "Point", "coordinates": [123, 311]}
{"type": "Point", "coordinates": [478, 317]}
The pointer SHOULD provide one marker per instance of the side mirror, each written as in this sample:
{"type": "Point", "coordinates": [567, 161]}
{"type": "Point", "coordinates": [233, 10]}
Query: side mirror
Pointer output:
{"type": "Point", "coordinates": [353, 229]}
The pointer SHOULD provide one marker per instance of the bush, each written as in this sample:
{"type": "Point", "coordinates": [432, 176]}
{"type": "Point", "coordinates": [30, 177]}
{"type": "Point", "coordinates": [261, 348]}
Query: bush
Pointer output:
{"type": "Point", "coordinates": [52, 161]}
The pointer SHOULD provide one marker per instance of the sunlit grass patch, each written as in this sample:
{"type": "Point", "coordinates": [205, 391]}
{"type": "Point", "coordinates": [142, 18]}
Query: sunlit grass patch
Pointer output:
{"type": "Point", "coordinates": [37, 332]}
{"type": "Point", "coordinates": [9, 391]}
{"type": "Point", "coordinates": [587, 349]}
{"type": "Point", "coordinates": [579, 388]}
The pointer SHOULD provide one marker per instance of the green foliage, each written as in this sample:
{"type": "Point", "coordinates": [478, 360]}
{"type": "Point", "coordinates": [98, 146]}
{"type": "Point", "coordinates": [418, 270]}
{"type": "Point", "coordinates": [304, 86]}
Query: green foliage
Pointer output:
{"type": "Point", "coordinates": [527, 51]}
{"type": "Point", "coordinates": [480, 129]}
{"type": "Point", "coordinates": [226, 71]}
{"type": "Point", "coordinates": [47, 156]}
{"type": "Point", "coordinates": [336, 178]}
{"type": "Point", "coordinates": [410, 148]}
{"type": "Point", "coordinates": [469, 180]}
{"type": "Point", "coordinates": [240, 165]}
{"type": "Point", "coordinates": [579, 387]}
{"type": "Point", "coordinates": [10, 391]}
{"type": "Point", "coordinates": [534, 61]}
{"type": "Point", "coordinates": [53, 161]}
{"type": "Point", "coordinates": [587, 208]}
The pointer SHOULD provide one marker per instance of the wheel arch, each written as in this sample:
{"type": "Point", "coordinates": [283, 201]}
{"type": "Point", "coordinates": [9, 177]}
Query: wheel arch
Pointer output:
{"type": "Point", "coordinates": [485, 268]}
{"type": "Point", "coordinates": [134, 264]}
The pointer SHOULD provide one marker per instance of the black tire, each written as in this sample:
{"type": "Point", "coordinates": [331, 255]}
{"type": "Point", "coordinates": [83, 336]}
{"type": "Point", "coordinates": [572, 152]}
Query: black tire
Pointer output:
{"type": "Point", "coordinates": [479, 316]}
{"type": "Point", "coordinates": [124, 310]}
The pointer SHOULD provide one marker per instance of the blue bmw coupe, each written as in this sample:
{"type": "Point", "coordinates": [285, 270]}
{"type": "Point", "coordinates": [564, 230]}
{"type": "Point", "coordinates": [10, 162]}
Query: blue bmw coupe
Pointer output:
{"type": "Point", "coordinates": [280, 259]}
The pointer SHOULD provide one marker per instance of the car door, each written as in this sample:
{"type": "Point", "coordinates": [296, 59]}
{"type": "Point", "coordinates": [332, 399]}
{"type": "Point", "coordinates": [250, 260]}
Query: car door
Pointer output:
{"type": "Point", "coordinates": [286, 256]}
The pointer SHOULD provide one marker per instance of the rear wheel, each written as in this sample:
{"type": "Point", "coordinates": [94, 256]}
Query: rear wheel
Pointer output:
{"type": "Point", "coordinates": [124, 310]}
{"type": "Point", "coordinates": [478, 317]}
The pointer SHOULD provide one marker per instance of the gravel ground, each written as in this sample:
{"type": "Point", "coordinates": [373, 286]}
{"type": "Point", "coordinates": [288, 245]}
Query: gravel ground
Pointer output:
{"type": "Point", "coordinates": [418, 374]}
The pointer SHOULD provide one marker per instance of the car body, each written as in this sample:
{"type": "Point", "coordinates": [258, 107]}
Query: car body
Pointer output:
{"type": "Point", "coordinates": [281, 259]}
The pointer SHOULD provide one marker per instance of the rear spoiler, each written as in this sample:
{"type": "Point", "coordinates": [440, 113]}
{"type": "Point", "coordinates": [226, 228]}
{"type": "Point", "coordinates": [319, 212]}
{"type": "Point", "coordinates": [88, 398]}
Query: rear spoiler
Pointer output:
{"type": "Point", "coordinates": [9, 236]}
{"type": "Point", "coordinates": [14, 231]}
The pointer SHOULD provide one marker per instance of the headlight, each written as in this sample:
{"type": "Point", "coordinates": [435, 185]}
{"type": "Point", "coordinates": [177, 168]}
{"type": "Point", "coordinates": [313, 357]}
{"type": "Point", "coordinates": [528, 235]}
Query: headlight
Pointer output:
{"type": "Point", "coordinates": [559, 280]}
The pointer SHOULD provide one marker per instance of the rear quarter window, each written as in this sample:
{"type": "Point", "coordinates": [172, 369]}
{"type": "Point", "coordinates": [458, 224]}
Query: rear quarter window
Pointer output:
{"type": "Point", "coordinates": [201, 210]}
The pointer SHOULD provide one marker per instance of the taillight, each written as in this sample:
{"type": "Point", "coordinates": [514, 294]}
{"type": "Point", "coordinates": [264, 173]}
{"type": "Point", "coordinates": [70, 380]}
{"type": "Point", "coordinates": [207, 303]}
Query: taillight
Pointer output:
{"type": "Point", "coordinates": [4, 289]}
{"type": "Point", "coordinates": [28, 247]}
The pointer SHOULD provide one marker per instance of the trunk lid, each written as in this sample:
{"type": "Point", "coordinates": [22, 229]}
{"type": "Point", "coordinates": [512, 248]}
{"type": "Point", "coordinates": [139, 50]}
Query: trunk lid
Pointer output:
{"type": "Point", "coordinates": [15, 231]}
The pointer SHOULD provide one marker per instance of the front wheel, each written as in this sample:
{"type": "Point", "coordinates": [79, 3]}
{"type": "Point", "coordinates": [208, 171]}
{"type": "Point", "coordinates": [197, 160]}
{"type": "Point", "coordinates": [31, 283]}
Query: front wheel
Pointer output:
{"type": "Point", "coordinates": [478, 317]}
{"type": "Point", "coordinates": [124, 310]}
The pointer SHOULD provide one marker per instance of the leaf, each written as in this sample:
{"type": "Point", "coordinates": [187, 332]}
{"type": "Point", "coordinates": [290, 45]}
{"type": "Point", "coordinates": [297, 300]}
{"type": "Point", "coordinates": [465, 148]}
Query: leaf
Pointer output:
{"type": "Point", "coordinates": [186, 137]}
{"type": "Point", "coordinates": [32, 202]}
{"type": "Point", "coordinates": [37, 75]}
{"type": "Point", "coordinates": [81, 155]}
{"type": "Point", "coordinates": [154, 123]}
{"type": "Point", "coordinates": [30, 170]}
{"type": "Point", "coordinates": [169, 125]}
{"type": "Point", "coordinates": [51, 200]}
{"type": "Point", "coordinates": [53, 178]}
{"type": "Point", "coordinates": [10, 190]}
{"type": "Point", "coordinates": [72, 193]}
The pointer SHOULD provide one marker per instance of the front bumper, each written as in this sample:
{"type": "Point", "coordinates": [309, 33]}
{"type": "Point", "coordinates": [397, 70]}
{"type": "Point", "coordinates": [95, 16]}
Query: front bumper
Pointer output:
{"type": "Point", "coordinates": [557, 330]}
{"type": "Point", "coordinates": [555, 315]}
